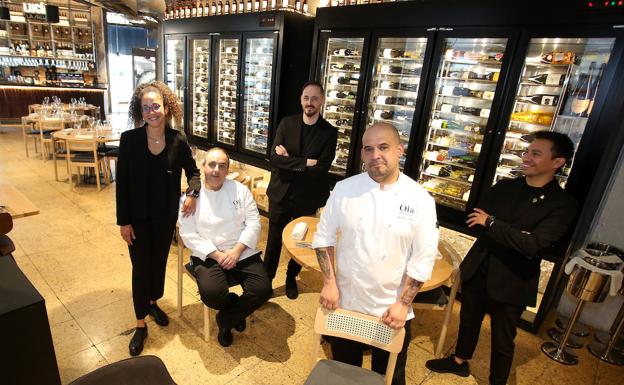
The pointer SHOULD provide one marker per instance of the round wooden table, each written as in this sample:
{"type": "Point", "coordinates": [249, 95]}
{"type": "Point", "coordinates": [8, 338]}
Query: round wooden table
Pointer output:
{"type": "Point", "coordinates": [306, 256]}
{"type": "Point", "coordinates": [104, 136]}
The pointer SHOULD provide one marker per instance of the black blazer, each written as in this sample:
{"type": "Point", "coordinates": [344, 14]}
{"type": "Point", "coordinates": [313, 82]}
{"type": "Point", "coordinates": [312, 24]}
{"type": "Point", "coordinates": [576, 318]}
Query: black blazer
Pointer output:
{"type": "Point", "coordinates": [308, 186]}
{"type": "Point", "coordinates": [527, 226]}
{"type": "Point", "coordinates": [132, 174]}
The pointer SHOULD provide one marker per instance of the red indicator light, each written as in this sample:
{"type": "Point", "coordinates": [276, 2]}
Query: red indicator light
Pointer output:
{"type": "Point", "coordinates": [620, 2]}
{"type": "Point", "coordinates": [590, 4]}
{"type": "Point", "coordinates": [606, 3]}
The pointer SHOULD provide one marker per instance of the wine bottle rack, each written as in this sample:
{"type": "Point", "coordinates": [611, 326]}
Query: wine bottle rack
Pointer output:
{"type": "Point", "coordinates": [464, 90]}
{"type": "Point", "coordinates": [200, 80]}
{"type": "Point", "coordinates": [396, 80]}
{"type": "Point", "coordinates": [257, 93]}
{"type": "Point", "coordinates": [342, 67]}
{"type": "Point", "coordinates": [227, 88]}
{"type": "Point", "coordinates": [543, 97]}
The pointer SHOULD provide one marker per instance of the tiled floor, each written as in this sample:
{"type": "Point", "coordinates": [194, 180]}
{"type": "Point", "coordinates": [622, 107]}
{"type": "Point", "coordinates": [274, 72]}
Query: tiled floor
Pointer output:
{"type": "Point", "coordinates": [73, 254]}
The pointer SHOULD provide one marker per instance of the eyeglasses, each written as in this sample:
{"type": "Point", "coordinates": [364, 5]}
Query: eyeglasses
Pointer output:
{"type": "Point", "coordinates": [154, 107]}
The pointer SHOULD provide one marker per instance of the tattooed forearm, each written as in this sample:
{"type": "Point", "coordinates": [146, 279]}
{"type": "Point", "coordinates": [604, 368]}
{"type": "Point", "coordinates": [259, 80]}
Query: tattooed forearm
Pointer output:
{"type": "Point", "coordinates": [410, 290]}
{"type": "Point", "coordinates": [325, 256]}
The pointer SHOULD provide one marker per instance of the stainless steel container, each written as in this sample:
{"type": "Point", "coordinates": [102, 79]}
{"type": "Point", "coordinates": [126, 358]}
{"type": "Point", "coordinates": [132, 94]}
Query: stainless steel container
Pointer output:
{"type": "Point", "coordinates": [593, 286]}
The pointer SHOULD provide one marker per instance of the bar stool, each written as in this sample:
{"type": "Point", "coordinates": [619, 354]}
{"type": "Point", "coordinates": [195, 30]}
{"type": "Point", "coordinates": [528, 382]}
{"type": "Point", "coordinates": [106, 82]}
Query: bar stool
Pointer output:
{"type": "Point", "coordinates": [592, 274]}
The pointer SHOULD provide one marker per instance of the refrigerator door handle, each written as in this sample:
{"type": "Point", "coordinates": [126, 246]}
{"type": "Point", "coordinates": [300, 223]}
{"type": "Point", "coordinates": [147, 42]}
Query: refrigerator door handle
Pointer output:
{"type": "Point", "coordinates": [326, 30]}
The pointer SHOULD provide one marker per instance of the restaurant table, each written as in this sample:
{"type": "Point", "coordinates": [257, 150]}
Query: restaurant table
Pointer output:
{"type": "Point", "coordinates": [16, 203]}
{"type": "Point", "coordinates": [305, 256]}
{"type": "Point", "coordinates": [104, 136]}
{"type": "Point", "coordinates": [25, 337]}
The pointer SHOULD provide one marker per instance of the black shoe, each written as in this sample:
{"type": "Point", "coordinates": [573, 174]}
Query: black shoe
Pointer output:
{"type": "Point", "coordinates": [241, 326]}
{"type": "Point", "coordinates": [136, 343]}
{"type": "Point", "coordinates": [448, 365]}
{"type": "Point", "coordinates": [292, 291]}
{"type": "Point", "coordinates": [224, 336]}
{"type": "Point", "coordinates": [159, 316]}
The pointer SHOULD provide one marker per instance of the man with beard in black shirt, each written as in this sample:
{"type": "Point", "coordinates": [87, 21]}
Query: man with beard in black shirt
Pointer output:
{"type": "Point", "coordinates": [520, 220]}
{"type": "Point", "coordinates": [301, 155]}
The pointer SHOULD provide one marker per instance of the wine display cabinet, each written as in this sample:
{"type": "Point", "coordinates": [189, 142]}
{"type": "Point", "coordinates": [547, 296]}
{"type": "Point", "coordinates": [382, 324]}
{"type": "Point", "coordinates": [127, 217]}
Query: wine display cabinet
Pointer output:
{"type": "Point", "coordinates": [244, 74]}
{"type": "Point", "coordinates": [556, 92]}
{"type": "Point", "coordinates": [341, 72]}
{"type": "Point", "coordinates": [465, 87]}
{"type": "Point", "coordinates": [175, 70]}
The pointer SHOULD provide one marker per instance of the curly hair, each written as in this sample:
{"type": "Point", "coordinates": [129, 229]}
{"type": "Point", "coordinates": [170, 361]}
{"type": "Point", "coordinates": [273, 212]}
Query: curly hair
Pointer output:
{"type": "Point", "coordinates": [170, 101]}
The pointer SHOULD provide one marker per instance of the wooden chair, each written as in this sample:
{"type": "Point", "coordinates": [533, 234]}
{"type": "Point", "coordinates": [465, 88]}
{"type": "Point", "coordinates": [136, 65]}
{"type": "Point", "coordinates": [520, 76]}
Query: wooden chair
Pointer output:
{"type": "Point", "coordinates": [46, 127]}
{"type": "Point", "coordinates": [437, 299]}
{"type": "Point", "coordinates": [187, 268]}
{"type": "Point", "coordinates": [357, 327]}
{"type": "Point", "coordinates": [59, 151]}
{"type": "Point", "coordinates": [85, 155]}
{"type": "Point", "coordinates": [258, 191]}
{"type": "Point", "coordinates": [29, 130]}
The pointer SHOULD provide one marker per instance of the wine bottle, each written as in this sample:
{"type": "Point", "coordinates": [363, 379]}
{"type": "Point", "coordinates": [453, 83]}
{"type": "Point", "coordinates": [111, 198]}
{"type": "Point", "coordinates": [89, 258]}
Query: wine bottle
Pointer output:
{"type": "Point", "coordinates": [392, 100]}
{"type": "Point", "coordinates": [298, 5]}
{"type": "Point", "coordinates": [213, 8]}
{"type": "Point", "coordinates": [227, 83]}
{"type": "Point", "coordinates": [231, 49]}
{"type": "Point", "coordinates": [595, 88]}
{"type": "Point", "coordinates": [481, 112]}
{"type": "Point", "coordinates": [383, 114]}
{"type": "Point", "coordinates": [548, 79]}
{"type": "Point", "coordinates": [541, 99]}
{"type": "Point", "coordinates": [341, 95]}
{"type": "Point", "coordinates": [344, 123]}
{"type": "Point", "coordinates": [194, 12]}
{"type": "Point", "coordinates": [455, 91]}
{"type": "Point", "coordinates": [226, 7]}
{"type": "Point", "coordinates": [345, 52]}
{"type": "Point", "coordinates": [305, 6]}
{"type": "Point", "coordinates": [581, 95]}
{"type": "Point", "coordinates": [391, 53]}
{"type": "Point", "coordinates": [335, 79]}
{"type": "Point", "coordinates": [264, 5]}
{"type": "Point", "coordinates": [487, 95]}
{"type": "Point", "coordinates": [558, 58]}
{"type": "Point", "coordinates": [256, 6]}
{"type": "Point", "coordinates": [219, 8]}
{"type": "Point", "coordinates": [345, 66]}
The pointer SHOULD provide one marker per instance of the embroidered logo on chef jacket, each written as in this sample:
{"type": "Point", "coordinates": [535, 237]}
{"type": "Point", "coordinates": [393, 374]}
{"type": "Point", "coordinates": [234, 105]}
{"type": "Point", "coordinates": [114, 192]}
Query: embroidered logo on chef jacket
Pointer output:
{"type": "Point", "coordinates": [237, 203]}
{"type": "Point", "coordinates": [405, 211]}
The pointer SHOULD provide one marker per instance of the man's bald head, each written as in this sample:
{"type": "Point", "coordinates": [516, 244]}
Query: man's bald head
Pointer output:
{"type": "Point", "coordinates": [217, 150]}
{"type": "Point", "coordinates": [381, 126]}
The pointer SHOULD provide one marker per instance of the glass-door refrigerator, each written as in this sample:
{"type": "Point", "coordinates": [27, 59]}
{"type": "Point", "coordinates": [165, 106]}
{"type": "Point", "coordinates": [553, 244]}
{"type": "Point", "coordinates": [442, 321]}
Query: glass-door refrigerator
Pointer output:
{"type": "Point", "coordinates": [341, 70]}
{"type": "Point", "coordinates": [556, 90]}
{"type": "Point", "coordinates": [199, 87]}
{"type": "Point", "coordinates": [464, 93]}
{"type": "Point", "coordinates": [226, 90]}
{"type": "Point", "coordinates": [175, 69]}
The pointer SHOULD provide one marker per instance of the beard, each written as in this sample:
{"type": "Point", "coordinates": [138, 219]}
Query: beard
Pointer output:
{"type": "Point", "coordinates": [309, 113]}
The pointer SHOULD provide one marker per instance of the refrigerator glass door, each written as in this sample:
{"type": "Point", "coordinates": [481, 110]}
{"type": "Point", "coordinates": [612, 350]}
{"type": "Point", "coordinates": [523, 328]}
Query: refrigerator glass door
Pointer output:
{"type": "Point", "coordinates": [396, 79]}
{"type": "Point", "coordinates": [465, 87]}
{"type": "Point", "coordinates": [227, 88]}
{"type": "Point", "coordinates": [174, 70]}
{"type": "Point", "coordinates": [199, 66]}
{"type": "Point", "coordinates": [259, 53]}
{"type": "Point", "coordinates": [340, 74]}
{"type": "Point", "coordinates": [560, 80]}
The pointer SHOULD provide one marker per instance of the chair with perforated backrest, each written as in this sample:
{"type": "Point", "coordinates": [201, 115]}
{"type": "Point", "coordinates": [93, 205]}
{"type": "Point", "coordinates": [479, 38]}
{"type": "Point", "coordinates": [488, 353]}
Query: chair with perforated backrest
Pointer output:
{"type": "Point", "coordinates": [82, 153]}
{"type": "Point", "coordinates": [357, 327]}
{"type": "Point", "coordinates": [187, 268]}
{"type": "Point", "coordinates": [143, 370]}
{"type": "Point", "coordinates": [438, 299]}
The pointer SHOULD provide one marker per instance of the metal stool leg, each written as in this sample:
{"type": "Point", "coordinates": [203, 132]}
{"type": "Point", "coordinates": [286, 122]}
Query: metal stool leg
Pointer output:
{"type": "Point", "coordinates": [573, 341]}
{"type": "Point", "coordinates": [607, 353]}
{"type": "Point", "coordinates": [558, 351]}
{"type": "Point", "coordinates": [603, 338]}
{"type": "Point", "coordinates": [578, 330]}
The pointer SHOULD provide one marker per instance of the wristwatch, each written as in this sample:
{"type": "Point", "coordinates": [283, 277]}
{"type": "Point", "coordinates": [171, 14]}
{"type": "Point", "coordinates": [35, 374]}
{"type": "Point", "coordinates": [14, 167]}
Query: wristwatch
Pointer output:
{"type": "Point", "coordinates": [489, 221]}
{"type": "Point", "coordinates": [192, 193]}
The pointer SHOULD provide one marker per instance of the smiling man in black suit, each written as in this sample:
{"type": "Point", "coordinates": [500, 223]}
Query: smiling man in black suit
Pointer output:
{"type": "Point", "coordinates": [520, 220]}
{"type": "Point", "coordinates": [303, 150]}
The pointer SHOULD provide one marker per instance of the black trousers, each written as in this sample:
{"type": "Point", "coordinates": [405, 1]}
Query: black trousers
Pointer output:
{"type": "Point", "coordinates": [280, 213]}
{"type": "Point", "coordinates": [351, 352]}
{"type": "Point", "coordinates": [213, 287]}
{"type": "Point", "coordinates": [148, 254]}
{"type": "Point", "coordinates": [504, 319]}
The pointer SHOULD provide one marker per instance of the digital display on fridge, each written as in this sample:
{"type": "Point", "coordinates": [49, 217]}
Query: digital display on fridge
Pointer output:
{"type": "Point", "coordinates": [464, 90]}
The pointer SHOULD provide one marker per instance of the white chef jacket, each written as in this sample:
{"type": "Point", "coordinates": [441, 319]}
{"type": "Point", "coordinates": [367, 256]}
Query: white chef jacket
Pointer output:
{"type": "Point", "coordinates": [384, 234]}
{"type": "Point", "coordinates": [222, 218]}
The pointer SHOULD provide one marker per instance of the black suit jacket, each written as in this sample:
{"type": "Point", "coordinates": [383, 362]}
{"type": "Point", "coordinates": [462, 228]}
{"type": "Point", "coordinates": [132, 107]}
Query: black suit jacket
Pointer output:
{"type": "Point", "coordinates": [308, 186]}
{"type": "Point", "coordinates": [132, 174]}
{"type": "Point", "coordinates": [524, 230]}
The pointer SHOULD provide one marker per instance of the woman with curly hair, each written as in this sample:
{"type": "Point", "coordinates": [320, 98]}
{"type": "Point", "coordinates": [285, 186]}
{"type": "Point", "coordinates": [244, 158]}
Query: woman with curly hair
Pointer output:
{"type": "Point", "coordinates": [149, 169]}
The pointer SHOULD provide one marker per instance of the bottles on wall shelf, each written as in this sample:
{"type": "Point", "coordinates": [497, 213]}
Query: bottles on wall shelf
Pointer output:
{"type": "Point", "coordinates": [200, 78]}
{"type": "Point", "coordinates": [183, 9]}
{"type": "Point", "coordinates": [227, 88]}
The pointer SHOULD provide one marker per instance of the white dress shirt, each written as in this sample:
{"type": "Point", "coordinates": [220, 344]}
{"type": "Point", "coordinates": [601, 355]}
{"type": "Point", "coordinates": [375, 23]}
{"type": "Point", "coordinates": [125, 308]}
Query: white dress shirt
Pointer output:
{"type": "Point", "coordinates": [222, 218]}
{"type": "Point", "coordinates": [384, 235]}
